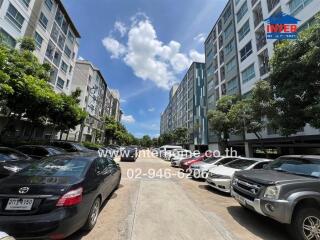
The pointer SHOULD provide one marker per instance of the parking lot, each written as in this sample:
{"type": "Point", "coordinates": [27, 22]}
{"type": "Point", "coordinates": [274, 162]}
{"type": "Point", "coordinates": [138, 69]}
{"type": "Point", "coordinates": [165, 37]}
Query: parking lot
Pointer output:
{"type": "Point", "coordinates": [171, 206]}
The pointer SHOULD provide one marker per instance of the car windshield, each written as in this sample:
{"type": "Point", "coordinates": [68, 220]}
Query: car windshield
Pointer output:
{"type": "Point", "coordinates": [55, 150]}
{"type": "Point", "coordinates": [298, 166]}
{"type": "Point", "coordinates": [240, 164]}
{"type": "Point", "coordinates": [57, 168]}
{"type": "Point", "coordinates": [80, 147]}
{"type": "Point", "coordinates": [211, 160]}
{"type": "Point", "coordinates": [8, 154]}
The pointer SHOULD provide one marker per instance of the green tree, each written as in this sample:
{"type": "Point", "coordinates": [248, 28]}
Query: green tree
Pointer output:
{"type": "Point", "coordinates": [180, 135]}
{"type": "Point", "coordinates": [146, 141]}
{"type": "Point", "coordinates": [295, 82]}
{"type": "Point", "coordinates": [219, 121]}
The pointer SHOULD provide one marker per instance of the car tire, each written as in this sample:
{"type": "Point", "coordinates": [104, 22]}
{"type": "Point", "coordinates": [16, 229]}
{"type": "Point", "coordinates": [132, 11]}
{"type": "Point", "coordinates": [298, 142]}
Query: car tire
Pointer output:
{"type": "Point", "coordinates": [302, 221]}
{"type": "Point", "coordinates": [93, 215]}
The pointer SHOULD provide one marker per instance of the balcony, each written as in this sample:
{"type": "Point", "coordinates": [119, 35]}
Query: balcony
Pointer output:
{"type": "Point", "coordinates": [272, 4]}
{"type": "Point", "coordinates": [261, 38]}
{"type": "Point", "coordinates": [253, 2]}
{"type": "Point", "coordinates": [257, 15]}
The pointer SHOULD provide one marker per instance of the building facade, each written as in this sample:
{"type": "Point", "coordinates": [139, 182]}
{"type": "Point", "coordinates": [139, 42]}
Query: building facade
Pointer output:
{"type": "Point", "coordinates": [97, 99]}
{"type": "Point", "coordinates": [248, 62]}
{"type": "Point", "coordinates": [187, 107]}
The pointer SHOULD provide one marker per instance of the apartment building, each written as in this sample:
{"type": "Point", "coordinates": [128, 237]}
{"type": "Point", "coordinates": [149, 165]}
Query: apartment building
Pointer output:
{"type": "Point", "coordinates": [187, 107]}
{"type": "Point", "coordinates": [56, 37]}
{"type": "Point", "coordinates": [97, 99]}
{"type": "Point", "coordinates": [222, 66]}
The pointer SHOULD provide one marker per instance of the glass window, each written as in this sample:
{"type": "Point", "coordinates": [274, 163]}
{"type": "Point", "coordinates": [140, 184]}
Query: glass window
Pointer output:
{"type": "Point", "coordinates": [11, 154]}
{"type": "Point", "coordinates": [43, 21]}
{"type": "Point", "coordinates": [231, 65]}
{"type": "Point", "coordinates": [64, 26]}
{"type": "Point", "coordinates": [59, 17]}
{"type": "Point", "coordinates": [25, 2]}
{"type": "Point", "coordinates": [242, 11]}
{"type": "Point", "coordinates": [57, 58]}
{"type": "Point", "coordinates": [61, 41]}
{"type": "Point", "coordinates": [7, 39]}
{"type": "Point", "coordinates": [240, 164]}
{"type": "Point", "coordinates": [55, 33]}
{"type": "Point", "coordinates": [229, 47]}
{"type": "Point", "coordinates": [64, 67]}
{"type": "Point", "coordinates": [228, 31]}
{"type": "Point", "coordinates": [50, 50]}
{"type": "Point", "coordinates": [244, 30]}
{"type": "Point", "coordinates": [232, 86]}
{"type": "Point", "coordinates": [297, 5]}
{"type": "Point", "coordinates": [227, 14]}
{"type": "Point", "coordinates": [246, 51]}
{"type": "Point", "coordinates": [38, 40]}
{"type": "Point", "coordinates": [248, 74]}
{"type": "Point", "coordinates": [237, 1]}
{"type": "Point", "coordinates": [14, 16]}
{"type": "Point", "coordinates": [60, 83]}
{"type": "Point", "coordinates": [49, 4]}
{"type": "Point", "coordinates": [71, 37]}
{"type": "Point", "coordinates": [67, 51]}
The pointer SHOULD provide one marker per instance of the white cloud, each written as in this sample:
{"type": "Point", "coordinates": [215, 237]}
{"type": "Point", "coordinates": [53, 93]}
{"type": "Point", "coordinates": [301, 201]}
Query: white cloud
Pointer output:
{"type": "Point", "coordinates": [121, 28]}
{"type": "Point", "coordinates": [200, 38]}
{"type": "Point", "coordinates": [151, 109]}
{"type": "Point", "coordinates": [127, 119]}
{"type": "Point", "coordinates": [123, 100]}
{"type": "Point", "coordinates": [196, 56]}
{"type": "Point", "coordinates": [150, 58]}
{"type": "Point", "coordinates": [114, 47]}
{"type": "Point", "coordinates": [80, 58]}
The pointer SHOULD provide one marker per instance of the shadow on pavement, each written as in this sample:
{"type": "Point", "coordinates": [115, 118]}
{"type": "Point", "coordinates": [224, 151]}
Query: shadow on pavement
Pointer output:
{"type": "Point", "coordinates": [261, 226]}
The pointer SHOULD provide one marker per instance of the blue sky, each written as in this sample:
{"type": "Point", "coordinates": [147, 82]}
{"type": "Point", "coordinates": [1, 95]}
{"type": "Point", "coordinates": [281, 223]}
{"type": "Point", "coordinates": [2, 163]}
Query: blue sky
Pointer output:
{"type": "Point", "coordinates": [142, 47]}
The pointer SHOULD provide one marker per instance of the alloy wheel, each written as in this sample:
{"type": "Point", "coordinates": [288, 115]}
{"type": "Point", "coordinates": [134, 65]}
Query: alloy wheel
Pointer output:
{"type": "Point", "coordinates": [311, 228]}
{"type": "Point", "coordinates": [95, 212]}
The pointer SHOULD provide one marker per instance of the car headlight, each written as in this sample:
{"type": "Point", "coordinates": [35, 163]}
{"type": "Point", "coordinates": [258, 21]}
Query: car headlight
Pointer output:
{"type": "Point", "coordinates": [12, 168]}
{"type": "Point", "coordinates": [272, 192]}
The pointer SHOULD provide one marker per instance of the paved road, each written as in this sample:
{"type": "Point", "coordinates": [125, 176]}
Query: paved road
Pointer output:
{"type": "Point", "coordinates": [147, 206]}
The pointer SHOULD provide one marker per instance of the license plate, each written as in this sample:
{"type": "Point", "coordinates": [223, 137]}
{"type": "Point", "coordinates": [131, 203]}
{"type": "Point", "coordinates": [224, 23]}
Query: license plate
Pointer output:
{"type": "Point", "coordinates": [19, 204]}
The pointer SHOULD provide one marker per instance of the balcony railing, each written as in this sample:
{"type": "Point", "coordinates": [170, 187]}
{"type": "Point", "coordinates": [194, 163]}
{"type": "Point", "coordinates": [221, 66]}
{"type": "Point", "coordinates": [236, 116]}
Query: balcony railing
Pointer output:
{"type": "Point", "coordinates": [253, 2]}
{"type": "Point", "coordinates": [264, 69]}
{"type": "Point", "coordinates": [272, 4]}
{"type": "Point", "coordinates": [261, 42]}
{"type": "Point", "coordinates": [258, 18]}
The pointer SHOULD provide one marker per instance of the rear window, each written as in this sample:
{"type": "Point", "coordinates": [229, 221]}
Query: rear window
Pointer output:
{"type": "Point", "coordinates": [57, 168]}
{"type": "Point", "coordinates": [211, 160]}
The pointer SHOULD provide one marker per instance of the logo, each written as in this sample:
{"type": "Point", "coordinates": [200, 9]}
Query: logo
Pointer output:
{"type": "Point", "coordinates": [282, 26]}
{"type": "Point", "coordinates": [23, 190]}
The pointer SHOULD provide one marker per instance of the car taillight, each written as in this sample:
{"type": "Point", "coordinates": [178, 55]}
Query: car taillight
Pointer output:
{"type": "Point", "coordinates": [71, 198]}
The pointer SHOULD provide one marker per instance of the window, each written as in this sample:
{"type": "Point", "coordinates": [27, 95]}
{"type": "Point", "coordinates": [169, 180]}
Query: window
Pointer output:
{"type": "Point", "coordinates": [246, 51]}
{"type": "Point", "coordinates": [232, 86]}
{"type": "Point", "coordinates": [7, 39]}
{"type": "Point", "coordinates": [57, 58]}
{"type": "Point", "coordinates": [55, 33]}
{"type": "Point", "coordinates": [70, 69]}
{"type": "Point", "coordinates": [68, 82]}
{"type": "Point", "coordinates": [59, 17]}
{"type": "Point", "coordinates": [25, 2]}
{"type": "Point", "coordinates": [61, 41]}
{"type": "Point", "coordinates": [49, 4]}
{"type": "Point", "coordinates": [228, 30]}
{"type": "Point", "coordinates": [221, 57]}
{"type": "Point", "coordinates": [14, 16]}
{"type": "Point", "coordinates": [227, 14]}
{"type": "Point", "coordinates": [64, 26]}
{"type": "Point", "coordinates": [229, 47]}
{"type": "Point", "coordinates": [244, 30]}
{"type": "Point", "coordinates": [50, 50]}
{"type": "Point", "coordinates": [60, 83]}
{"type": "Point", "coordinates": [71, 36]}
{"type": "Point", "coordinates": [219, 26]}
{"type": "Point", "coordinates": [242, 11]}
{"type": "Point", "coordinates": [231, 65]}
{"type": "Point", "coordinates": [220, 42]}
{"type": "Point", "coordinates": [237, 1]}
{"type": "Point", "coordinates": [43, 21]}
{"type": "Point", "coordinates": [64, 67]}
{"type": "Point", "coordinates": [297, 5]}
{"type": "Point", "coordinates": [38, 40]}
{"type": "Point", "coordinates": [248, 74]}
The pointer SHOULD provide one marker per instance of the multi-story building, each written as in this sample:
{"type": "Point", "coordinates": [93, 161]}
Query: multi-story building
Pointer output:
{"type": "Point", "coordinates": [56, 40]}
{"type": "Point", "coordinates": [56, 37]}
{"type": "Point", "coordinates": [254, 52]}
{"type": "Point", "coordinates": [96, 99]}
{"type": "Point", "coordinates": [187, 107]}
{"type": "Point", "coordinates": [251, 50]}
{"type": "Point", "coordinates": [222, 67]}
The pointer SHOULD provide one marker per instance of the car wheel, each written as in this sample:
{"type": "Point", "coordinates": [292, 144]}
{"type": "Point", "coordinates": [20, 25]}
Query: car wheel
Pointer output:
{"type": "Point", "coordinates": [93, 215]}
{"type": "Point", "coordinates": [306, 224]}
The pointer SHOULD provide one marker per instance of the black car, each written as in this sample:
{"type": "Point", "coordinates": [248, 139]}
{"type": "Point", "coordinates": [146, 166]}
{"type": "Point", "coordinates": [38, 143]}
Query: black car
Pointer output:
{"type": "Point", "coordinates": [70, 146]}
{"type": "Point", "coordinates": [56, 196]}
{"type": "Point", "coordinates": [40, 151]}
{"type": "Point", "coordinates": [129, 154]}
{"type": "Point", "coordinates": [12, 161]}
